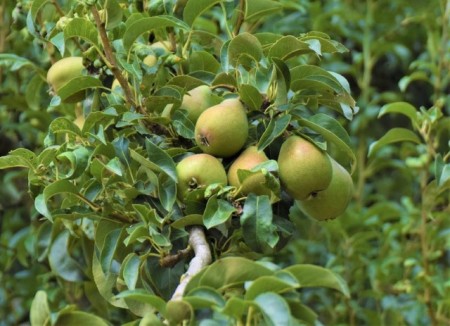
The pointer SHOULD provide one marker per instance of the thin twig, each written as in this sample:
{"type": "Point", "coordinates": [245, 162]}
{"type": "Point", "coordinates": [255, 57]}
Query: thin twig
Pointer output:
{"type": "Point", "coordinates": [173, 259]}
{"type": "Point", "coordinates": [111, 60]}
{"type": "Point", "coordinates": [202, 258]}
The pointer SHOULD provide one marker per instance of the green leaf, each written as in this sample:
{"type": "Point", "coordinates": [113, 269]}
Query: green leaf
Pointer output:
{"type": "Point", "coordinates": [226, 272]}
{"type": "Point", "coordinates": [56, 188]}
{"type": "Point", "coordinates": [14, 62]}
{"type": "Point", "coordinates": [78, 84]}
{"type": "Point", "coordinates": [250, 96]}
{"type": "Point", "coordinates": [76, 318]}
{"type": "Point", "coordinates": [109, 249]}
{"type": "Point", "coordinates": [217, 211]}
{"type": "Point", "coordinates": [161, 159]}
{"type": "Point", "coordinates": [204, 297]}
{"type": "Point", "coordinates": [274, 308]}
{"type": "Point", "coordinates": [287, 47]}
{"type": "Point", "coordinates": [82, 28]}
{"type": "Point", "coordinates": [148, 24]}
{"type": "Point", "coordinates": [268, 284]}
{"type": "Point", "coordinates": [275, 128]}
{"type": "Point", "coordinates": [114, 14]}
{"type": "Point", "coordinates": [401, 108]}
{"type": "Point", "coordinates": [394, 135]}
{"type": "Point", "coordinates": [144, 296]}
{"type": "Point", "coordinates": [245, 49]}
{"type": "Point", "coordinates": [13, 161]}
{"type": "Point", "coordinates": [131, 265]}
{"type": "Point", "coordinates": [64, 125]}
{"type": "Point", "coordinates": [256, 9]}
{"type": "Point", "coordinates": [36, 6]}
{"type": "Point", "coordinates": [60, 260]}
{"type": "Point", "coordinates": [40, 311]}
{"type": "Point", "coordinates": [203, 61]}
{"type": "Point", "coordinates": [167, 191]}
{"type": "Point", "coordinates": [195, 8]}
{"type": "Point", "coordinates": [316, 276]}
{"type": "Point", "coordinates": [257, 226]}
{"type": "Point", "coordinates": [183, 126]}
{"type": "Point", "coordinates": [77, 159]}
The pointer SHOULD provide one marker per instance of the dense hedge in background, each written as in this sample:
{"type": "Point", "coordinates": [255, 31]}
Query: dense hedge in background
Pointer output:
{"type": "Point", "coordinates": [391, 247]}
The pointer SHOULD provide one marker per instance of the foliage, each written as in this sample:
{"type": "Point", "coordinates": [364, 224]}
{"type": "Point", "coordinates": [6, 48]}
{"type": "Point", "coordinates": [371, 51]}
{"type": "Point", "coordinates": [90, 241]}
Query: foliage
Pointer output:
{"type": "Point", "coordinates": [101, 224]}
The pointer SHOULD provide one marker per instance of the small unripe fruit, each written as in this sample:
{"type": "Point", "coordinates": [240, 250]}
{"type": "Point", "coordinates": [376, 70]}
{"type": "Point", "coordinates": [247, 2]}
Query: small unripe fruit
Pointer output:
{"type": "Point", "coordinates": [199, 171]}
{"type": "Point", "coordinates": [304, 169]}
{"type": "Point", "coordinates": [196, 101]}
{"type": "Point", "coordinates": [64, 71]}
{"type": "Point", "coordinates": [150, 60]}
{"type": "Point", "coordinates": [333, 201]}
{"type": "Point", "coordinates": [222, 130]}
{"type": "Point", "coordinates": [162, 48]}
{"type": "Point", "coordinates": [248, 159]}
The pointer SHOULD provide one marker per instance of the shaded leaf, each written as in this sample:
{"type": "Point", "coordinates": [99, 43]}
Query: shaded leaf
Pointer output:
{"type": "Point", "coordinates": [195, 8]}
{"type": "Point", "coordinates": [394, 135]}
{"type": "Point", "coordinates": [257, 225]}
{"type": "Point", "coordinates": [274, 308]}
{"type": "Point", "coordinates": [316, 276]}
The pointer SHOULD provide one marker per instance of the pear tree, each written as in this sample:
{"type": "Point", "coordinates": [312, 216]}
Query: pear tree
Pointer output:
{"type": "Point", "coordinates": [201, 131]}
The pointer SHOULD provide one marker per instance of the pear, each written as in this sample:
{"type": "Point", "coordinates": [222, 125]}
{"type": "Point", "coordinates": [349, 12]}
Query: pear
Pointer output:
{"type": "Point", "coordinates": [222, 129]}
{"type": "Point", "coordinates": [333, 201]}
{"type": "Point", "coordinates": [199, 171]}
{"type": "Point", "coordinates": [150, 60]}
{"type": "Point", "coordinates": [247, 160]}
{"type": "Point", "coordinates": [63, 71]}
{"type": "Point", "coordinates": [196, 101]}
{"type": "Point", "coordinates": [304, 169]}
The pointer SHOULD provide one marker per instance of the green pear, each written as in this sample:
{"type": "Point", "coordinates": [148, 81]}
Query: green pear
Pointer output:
{"type": "Point", "coordinates": [247, 160]}
{"type": "Point", "coordinates": [304, 168]}
{"type": "Point", "coordinates": [199, 171]}
{"type": "Point", "coordinates": [196, 101]}
{"type": "Point", "coordinates": [333, 201]}
{"type": "Point", "coordinates": [63, 71]}
{"type": "Point", "coordinates": [222, 130]}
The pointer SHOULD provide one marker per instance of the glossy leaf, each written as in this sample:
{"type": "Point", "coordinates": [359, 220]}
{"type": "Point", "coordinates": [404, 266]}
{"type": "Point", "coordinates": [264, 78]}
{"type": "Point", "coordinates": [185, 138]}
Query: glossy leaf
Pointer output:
{"type": "Point", "coordinates": [274, 309]}
{"type": "Point", "coordinates": [256, 220]}
{"type": "Point", "coordinates": [217, 211]}
{"type": "Point", "coordinates": [78, 84]}
{"type": "Point", "coordinates": [61, 263]}
{"type": "Point", "coordinates": [161, 159]}
{"type": "Point", "coordinates": [274, 129]}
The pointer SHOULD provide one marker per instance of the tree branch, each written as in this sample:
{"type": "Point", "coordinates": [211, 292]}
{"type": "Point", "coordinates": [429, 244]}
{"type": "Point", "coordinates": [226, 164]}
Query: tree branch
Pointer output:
{"type": "Point", "coordinates": [111, 63]}
{"type": "Point", "coordinates": [202, 258]}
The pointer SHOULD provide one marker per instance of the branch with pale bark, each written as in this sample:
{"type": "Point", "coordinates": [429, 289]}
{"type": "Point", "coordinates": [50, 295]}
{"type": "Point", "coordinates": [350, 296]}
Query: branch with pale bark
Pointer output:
{"type": "Point", "coordinates": [202, 258]}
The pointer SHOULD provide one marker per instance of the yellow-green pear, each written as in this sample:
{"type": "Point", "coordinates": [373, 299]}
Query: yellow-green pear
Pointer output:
{"type": "Point", "coordinates": [333, 201]}
{"type": "Point", "coordinates": [247, 160]}
{"type": "Point", "coordinates": [150, 60]}
{"type": "Point", "coordinates": [63, 71]}
{"type": "Point", "coordinates": [304, 168]}
{"type": "Point", "coordinates": [222, 130]}
{"type": "Point", "coordinates": [199, 171]}
{"type": "Point", "coordinates": [196, 101]}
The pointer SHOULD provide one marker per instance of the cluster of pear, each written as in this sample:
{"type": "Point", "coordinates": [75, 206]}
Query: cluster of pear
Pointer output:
{"type": "Point", "coordinates": [320, 185]}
